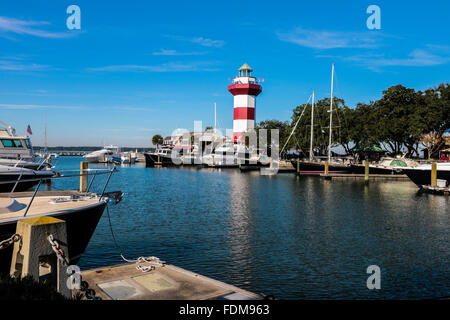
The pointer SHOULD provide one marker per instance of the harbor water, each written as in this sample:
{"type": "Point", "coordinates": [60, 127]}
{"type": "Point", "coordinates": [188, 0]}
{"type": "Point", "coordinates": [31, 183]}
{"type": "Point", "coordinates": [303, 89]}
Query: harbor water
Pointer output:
{"type": "Point", "coordinates": [294, 238]}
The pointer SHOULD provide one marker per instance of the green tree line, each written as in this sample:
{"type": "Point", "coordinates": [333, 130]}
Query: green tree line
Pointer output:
{"type": "Point", "coordinates": [402, 120]}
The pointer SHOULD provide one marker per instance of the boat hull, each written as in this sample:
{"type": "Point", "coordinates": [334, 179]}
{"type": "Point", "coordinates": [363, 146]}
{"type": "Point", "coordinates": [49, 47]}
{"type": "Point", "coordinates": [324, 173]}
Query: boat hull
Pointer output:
{"type": "Point", "coordinates": [318, 168]}
{"type": "Point", "coordinates": [22, 186]}
{"type": "Point", "coordinates": [151, 160]}
{"type": "Point", "coordinates": [80, 224]}
{"type": "Point", "coordinates": [360, 169]}
{"type": "Point", "coordinates": [23, 164]}
{"type": "Point", "coordinates": [423, 177]}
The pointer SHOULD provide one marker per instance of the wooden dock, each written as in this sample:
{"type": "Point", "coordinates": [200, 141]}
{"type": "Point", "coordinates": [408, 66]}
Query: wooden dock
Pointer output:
{"type": "Point", "coordinates": [164, 282]}
{"type": "Point", "coordinates": [436, 190]}
{"type": "Point", "coordinates": [286, 167]}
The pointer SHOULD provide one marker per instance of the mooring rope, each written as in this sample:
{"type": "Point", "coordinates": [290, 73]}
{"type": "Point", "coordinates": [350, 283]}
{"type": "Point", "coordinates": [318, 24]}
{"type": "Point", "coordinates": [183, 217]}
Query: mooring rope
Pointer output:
{"type": "Point", "coordinates": [141, 259]}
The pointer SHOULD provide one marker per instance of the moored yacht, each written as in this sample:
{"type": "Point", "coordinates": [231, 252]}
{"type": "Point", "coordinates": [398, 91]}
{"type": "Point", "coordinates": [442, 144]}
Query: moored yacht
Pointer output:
{"type": "Point", "coordinates": [161, 156]}
{"type": "Point", "coordinates": [316, 165]}
{"type": "Point", "coordinates": [33, 165]}
{"type": "Point", "coordinates": [386, 165]}
{"type": "Point", "coordinates": [80, 211]}
{"type": "Point", "coordinates": [17, 150]}
{"type": "Point", "coordinates": [13, 146]}
{"type": "Point", "coordinates": [109, 154]}
{"type": "Point", "coordinates": [235, 155]}
{"type": "Point", "coordinates": [128, 157]}
{"type": "Point", "coordinates": [21, 179]}
{"type": "Point", "coordinates": [421, 174]}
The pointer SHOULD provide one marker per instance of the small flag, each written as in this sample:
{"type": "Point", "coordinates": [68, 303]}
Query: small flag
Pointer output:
{"type": "Point", "coordinates": [29, 130]}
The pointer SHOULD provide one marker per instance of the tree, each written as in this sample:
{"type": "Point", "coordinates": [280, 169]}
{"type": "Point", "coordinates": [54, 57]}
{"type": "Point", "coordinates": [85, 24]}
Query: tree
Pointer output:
{"type": "Point", "coordinates": [283, 127]}
{"type": "Point", "coordinates": [302, 136]}
{"type": "Point", "coordinates": [397, 115]}
{"type": "Point", "coordinates": [361, 126]}
{"type": "Point", "coordinates": [157, 140]}
{"type": "Point", "coordinates": [432, 142]}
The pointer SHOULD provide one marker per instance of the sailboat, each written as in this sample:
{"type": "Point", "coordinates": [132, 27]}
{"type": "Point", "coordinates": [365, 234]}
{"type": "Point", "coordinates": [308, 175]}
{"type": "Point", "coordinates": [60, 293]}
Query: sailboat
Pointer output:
{"type": "Point", "coordinates": [314, 166]}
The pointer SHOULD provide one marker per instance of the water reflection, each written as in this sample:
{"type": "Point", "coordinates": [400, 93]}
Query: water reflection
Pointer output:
{"type": "Point", "coordinates": [288, 236]}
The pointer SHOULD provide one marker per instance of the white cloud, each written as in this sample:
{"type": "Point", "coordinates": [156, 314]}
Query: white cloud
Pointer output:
{"type": "Point", "coordinates": [15, 65]}
{"type": "Point", "coordinates": [166, 67]}
{"type": "Point", "coordinates": [322, 39]}
{"type": "Point", "coordinates": [16, 26]}
{"type": "Point", "coordinates": [164, 52]}
{"type": "Point", "coordinates": [35, 106]}
{"type": "Point", "coordinates": [205, 42]}
{"type": "Point", "coordinates": [208, 42]}
{"type": "Point", "coordinates": [378, 61]}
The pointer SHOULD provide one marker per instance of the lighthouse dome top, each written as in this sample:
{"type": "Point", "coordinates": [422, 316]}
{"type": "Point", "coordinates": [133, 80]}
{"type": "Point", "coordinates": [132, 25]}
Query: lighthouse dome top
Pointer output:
{"type": "Point", "coordinates": [245, 67]}
{"type": "Point", "coordinates": [245, 70]}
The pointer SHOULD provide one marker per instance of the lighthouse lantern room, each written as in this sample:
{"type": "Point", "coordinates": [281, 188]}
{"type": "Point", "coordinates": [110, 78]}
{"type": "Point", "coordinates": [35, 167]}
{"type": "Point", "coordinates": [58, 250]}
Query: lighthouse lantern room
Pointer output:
{"type": "Point", "coordinates": [245, 89]}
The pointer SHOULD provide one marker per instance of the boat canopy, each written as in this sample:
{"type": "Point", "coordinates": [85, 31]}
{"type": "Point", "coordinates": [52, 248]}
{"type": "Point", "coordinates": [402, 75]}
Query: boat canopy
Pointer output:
{"type": "Point", "coordinates": [398, 163]}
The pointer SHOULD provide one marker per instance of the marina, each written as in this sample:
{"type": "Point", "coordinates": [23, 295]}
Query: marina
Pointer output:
{"type": "Point", "coordinates": [212, 159]}
{"type": "Point", "coordinates": [218, 235]}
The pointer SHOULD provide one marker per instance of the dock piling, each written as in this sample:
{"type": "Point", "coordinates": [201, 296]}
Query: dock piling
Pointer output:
{"type": "Point", "coordinates": [434, 174]}
{"type": "Point", "coordinates": [33, 254]}
{"type": "Point", "coordinates": [83, 179]}
{"type": "Point", "coordinates": [366, 172]}
{"type": "Point", "coordinates": [326, 168]}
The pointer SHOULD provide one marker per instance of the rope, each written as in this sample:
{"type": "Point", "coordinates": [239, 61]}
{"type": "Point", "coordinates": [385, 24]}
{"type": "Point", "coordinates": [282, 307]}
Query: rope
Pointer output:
{"type": "Point", "coordinates": [292, 132]}
{"type": "Point", "coordinates": [141, 259]}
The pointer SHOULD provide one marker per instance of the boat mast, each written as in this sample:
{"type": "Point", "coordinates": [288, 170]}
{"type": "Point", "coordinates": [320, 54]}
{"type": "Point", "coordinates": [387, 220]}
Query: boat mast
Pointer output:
{"type": "Point", "coordinates": [331, 114]}
{"type": "Point", "coordinates": [311, 155]}
{"type": "Point", "coordinates": [215, 117]}
{"type": "Point", "coordinates": [45, 131]}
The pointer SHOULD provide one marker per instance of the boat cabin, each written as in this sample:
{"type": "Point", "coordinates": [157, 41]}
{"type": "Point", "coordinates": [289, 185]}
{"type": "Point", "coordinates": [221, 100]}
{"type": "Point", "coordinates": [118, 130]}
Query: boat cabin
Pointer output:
{"type": "Point", "coordinates": [15, 146]}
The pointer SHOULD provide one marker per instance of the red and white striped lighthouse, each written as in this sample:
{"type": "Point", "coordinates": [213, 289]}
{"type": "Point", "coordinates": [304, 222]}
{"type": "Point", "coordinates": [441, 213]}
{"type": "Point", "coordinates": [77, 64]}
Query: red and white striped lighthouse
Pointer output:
{"type": "Point", "coordinates": [245, 89]}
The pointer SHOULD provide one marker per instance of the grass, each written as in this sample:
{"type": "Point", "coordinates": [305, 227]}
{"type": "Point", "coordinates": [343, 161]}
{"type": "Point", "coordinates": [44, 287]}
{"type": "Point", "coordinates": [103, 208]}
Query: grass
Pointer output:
{"type": "Point", "coordinates": [27, 289]}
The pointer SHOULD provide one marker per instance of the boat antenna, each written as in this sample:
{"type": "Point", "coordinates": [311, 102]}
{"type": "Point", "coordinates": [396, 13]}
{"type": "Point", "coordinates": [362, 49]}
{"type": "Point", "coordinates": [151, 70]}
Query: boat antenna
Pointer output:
{"type": "Point", "coordinates": [11, 129]}
{"type": "Point", "coordinates": [331, 114]}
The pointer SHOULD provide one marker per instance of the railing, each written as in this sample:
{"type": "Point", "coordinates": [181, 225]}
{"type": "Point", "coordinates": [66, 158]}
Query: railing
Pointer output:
{"type": "Point", "coordinates": [59, 176]}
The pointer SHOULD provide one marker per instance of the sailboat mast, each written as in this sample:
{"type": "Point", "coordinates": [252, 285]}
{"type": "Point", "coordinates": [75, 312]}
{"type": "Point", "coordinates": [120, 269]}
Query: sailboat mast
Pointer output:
{"type": "Point", "coordinates": [311, 155]}
{"type": "Point", "coordinates": [331, 113]}
{"type": "Point", "coordinates": [215, 117]}
{"type": "Point", "coordinates": [45, 131]}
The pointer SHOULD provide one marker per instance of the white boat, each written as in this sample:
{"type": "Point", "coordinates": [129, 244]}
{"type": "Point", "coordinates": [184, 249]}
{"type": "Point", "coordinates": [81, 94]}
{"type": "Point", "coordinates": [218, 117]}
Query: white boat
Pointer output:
{"type": "Point", "coordinates": [233, 155]}
{"type": "Point", "coordinates": [421, 174]}
{"type": "Point", "coordinates": [34, 165]}
{"type": "Point", "coordinates": [10, 175]}
{"type": "Point", "coordinates": [222, 156]}
{"type": "Point", "coordinates": [109, 154]}
{"type": "Point", "coordinates": [80, 211]}
{"type": "Point", "coordinates": [128, 157]}
{"type": "Point", "coordinates": [17, 150]}
{"type": "Point", "coordinates": [14, 146]}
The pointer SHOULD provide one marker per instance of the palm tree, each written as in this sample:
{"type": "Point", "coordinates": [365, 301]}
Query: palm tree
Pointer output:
{"type": "Point", "coordinates": [157, 140]}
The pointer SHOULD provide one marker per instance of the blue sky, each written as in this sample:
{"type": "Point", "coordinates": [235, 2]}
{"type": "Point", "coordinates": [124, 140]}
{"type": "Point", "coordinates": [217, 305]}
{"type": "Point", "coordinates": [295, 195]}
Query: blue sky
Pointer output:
{"type": "Point", "coordinates": [137, 68]}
